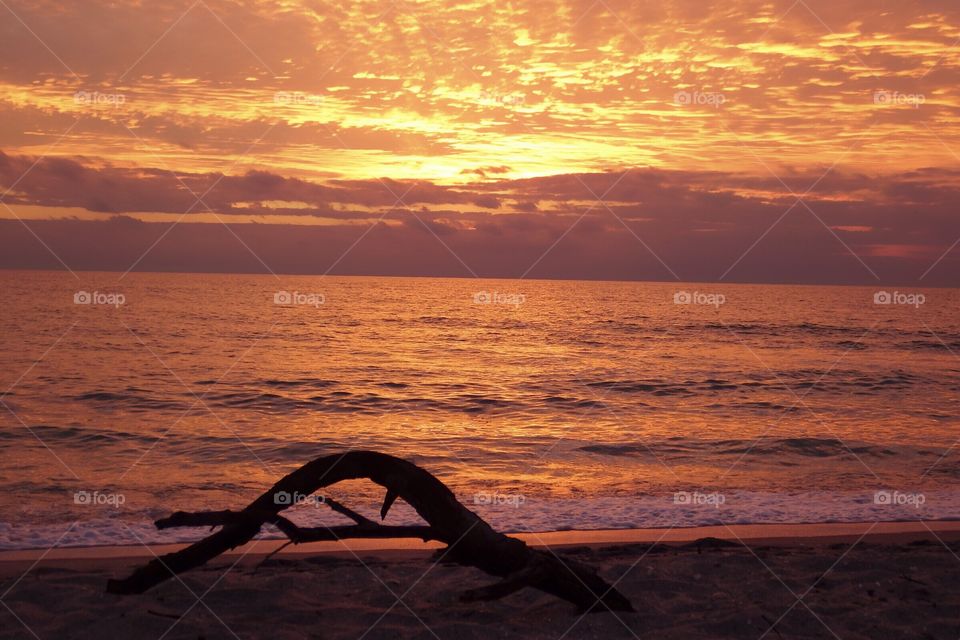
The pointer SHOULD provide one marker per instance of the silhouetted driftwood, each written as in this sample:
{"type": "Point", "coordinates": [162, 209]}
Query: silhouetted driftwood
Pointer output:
{"type": "Point", "coordinates": [470, 540]}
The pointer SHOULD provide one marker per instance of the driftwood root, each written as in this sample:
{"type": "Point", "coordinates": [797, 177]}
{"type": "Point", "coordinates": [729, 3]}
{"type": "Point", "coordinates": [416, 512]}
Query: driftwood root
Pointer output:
{"type": "Point", "coordinates": [470, 540]}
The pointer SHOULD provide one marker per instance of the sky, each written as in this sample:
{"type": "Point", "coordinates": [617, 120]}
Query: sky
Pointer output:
{"type": "Point", "coordinates": [809, 141]}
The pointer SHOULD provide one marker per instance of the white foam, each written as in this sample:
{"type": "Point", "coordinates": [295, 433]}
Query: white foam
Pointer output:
{"type": "Point", "coordinates": [518, 513]}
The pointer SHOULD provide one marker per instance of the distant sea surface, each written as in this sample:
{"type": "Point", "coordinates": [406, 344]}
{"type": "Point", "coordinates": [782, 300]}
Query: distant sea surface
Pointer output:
{"type": "Point", "coordinates": [544, 405]}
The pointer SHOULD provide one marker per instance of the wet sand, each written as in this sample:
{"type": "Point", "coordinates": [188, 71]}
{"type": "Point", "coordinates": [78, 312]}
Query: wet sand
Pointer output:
{"type": "Point", "coordinates": [887, 580]}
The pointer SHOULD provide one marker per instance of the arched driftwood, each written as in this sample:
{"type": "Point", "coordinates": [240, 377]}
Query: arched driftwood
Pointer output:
{"type": "Point", "coordinates": [470, 540]}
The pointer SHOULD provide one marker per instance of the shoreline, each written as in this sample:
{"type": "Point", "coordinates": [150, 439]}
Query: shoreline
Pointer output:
{"type": "Point", "coordinates": [803, 534]}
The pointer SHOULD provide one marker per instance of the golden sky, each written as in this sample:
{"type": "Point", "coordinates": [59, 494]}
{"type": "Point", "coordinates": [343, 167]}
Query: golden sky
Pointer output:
{"type": "Point", "coordinates": [342, 114]}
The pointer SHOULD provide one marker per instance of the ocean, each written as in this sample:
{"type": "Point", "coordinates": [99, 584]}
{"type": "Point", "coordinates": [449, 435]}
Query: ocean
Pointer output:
{"type": "Point", "coordinates": [544, 405]}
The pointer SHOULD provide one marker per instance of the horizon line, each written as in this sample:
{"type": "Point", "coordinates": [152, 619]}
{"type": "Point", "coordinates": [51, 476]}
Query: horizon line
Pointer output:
{"type": "Point", "coordinates": [278, 275]}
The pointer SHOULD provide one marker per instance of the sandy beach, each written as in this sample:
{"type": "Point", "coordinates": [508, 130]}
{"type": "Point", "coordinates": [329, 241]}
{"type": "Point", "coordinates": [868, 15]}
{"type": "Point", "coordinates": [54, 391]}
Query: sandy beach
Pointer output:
{"type": "Point", "coordinates": [887, 580]}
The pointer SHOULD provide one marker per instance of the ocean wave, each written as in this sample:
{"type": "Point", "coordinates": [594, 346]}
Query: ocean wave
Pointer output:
{"type": "Point", "coordinates": [748, 393]}
{"type": "Point", "coordinates": [132, 399]}
{"type": "Point", "coordinates": [946, 344]}
{"type": "Point", "coordinates": [774, 448]}
{"type": "Point", "coordinates": [230, 444]}
{"type": "Point", "coordinates": [831, 380]}
{"type": "Point", "coordinates": [335, 401]}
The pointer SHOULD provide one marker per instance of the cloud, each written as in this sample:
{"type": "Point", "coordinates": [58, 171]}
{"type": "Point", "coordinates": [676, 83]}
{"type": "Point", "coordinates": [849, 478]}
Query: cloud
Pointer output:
{"type": "Point", "coordinates": [641, 138]}
{"type": "Point", "coordinates": [69, 182]}
{"type": "Point", "coordinates": [651, 223]}
{"type": "Point", "coordinates": [596, 247]}
{"type": "Point", "coordinates": [397, 90]}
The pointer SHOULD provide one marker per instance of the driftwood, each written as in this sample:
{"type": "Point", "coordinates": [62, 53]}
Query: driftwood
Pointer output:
{"type": "Point", "coordinates": [470, 540]}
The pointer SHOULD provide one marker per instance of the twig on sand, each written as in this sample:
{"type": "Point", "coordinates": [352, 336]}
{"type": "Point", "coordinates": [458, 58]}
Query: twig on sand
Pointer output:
{"type": "Point", "coordinates": [172, 616]}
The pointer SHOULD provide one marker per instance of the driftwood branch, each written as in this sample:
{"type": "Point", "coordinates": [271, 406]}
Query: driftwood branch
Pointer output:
{"type": "Point", "coordinates": [470, 540]}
